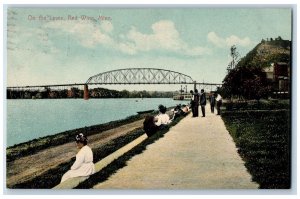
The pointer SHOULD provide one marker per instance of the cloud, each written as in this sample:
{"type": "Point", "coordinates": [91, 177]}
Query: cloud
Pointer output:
{"type": "Point", "coordinates": [107, 26]}
{"type": "Point", "coordinates": [88, 33]}
{"type": "Point", "coordinates": [234, 40]}
{"type": "Point", "coordinates": [30, 39]}
{"type": "Point", "coordinates": [127, 48]}
{"type": "Point", "coordinates": [229, 41]}
{"type": "Point", "coordinates": [164, 37]}
{"type": "Point", "coordinates": [215, 39]}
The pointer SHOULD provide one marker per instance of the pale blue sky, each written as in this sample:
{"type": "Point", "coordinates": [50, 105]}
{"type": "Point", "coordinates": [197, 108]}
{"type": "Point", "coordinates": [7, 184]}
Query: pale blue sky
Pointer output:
{"type": "Point", "coordinates": [193, 41]}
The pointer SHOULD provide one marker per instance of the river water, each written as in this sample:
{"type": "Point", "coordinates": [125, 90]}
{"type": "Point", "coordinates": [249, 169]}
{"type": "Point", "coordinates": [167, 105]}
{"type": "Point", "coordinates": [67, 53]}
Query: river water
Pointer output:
{"type": "Point", "coordinates": [30, 119]}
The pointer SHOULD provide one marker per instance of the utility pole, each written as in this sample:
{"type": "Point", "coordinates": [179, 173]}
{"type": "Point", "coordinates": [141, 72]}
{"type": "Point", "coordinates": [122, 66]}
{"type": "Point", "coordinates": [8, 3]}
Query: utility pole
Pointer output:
{"type": "Point", "coordinates": [235, 58]}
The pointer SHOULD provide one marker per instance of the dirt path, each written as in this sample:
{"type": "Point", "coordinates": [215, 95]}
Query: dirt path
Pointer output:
{"type": "Point", "coordinates": [28, 167]}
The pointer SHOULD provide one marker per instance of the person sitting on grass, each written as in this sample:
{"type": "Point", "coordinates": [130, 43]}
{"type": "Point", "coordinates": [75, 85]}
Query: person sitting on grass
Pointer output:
{"type": "Point", "coordinates": [152, 124]}
{"type": "Point", "coordinates": [180, 110]}
{"type": "Point", "coordinates": [149, 126]}
{"type": "Point", "coordinates": [83, 166]}
{"type": "Point", "coordinates": [162, 118]}
{"type": "Point", "coordinates": [175, 112]}
{"type": "Point", "coordinates": [185, 109]}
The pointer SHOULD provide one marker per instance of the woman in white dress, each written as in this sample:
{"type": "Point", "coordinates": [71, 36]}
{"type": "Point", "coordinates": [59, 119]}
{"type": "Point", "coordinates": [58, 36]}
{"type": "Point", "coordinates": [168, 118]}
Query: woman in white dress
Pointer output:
{"type": "Point", "coordinates": [162, 118]}
{"type": "Point", "coordinates": [83, 166]}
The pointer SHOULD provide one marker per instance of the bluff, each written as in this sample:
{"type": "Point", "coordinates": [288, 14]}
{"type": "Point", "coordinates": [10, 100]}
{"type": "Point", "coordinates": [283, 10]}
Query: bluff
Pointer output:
{"type": "Point", "coordinates": [267, 52]}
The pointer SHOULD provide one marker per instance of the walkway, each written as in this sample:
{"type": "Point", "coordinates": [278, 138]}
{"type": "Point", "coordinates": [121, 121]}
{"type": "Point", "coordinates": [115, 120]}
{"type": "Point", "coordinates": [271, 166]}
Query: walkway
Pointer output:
{"type": "Point", "coordinates": [197, 153]}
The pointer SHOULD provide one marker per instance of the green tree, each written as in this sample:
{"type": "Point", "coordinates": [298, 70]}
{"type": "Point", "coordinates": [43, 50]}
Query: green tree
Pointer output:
{"type": "Point", "coordinates": [246, 83]}
{"type": "Point", "coordinates": [255, 88]}
{"type": "Point", "coordinates": [125, 93]}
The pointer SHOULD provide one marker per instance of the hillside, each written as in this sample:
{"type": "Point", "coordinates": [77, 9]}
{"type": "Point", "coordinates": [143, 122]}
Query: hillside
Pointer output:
{"type": "Point", "coordinates": [267, 52]}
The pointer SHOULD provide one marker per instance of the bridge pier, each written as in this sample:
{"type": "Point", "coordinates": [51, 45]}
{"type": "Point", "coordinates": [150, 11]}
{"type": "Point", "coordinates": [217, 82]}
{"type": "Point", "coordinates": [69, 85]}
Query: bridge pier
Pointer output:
{"type": "Point", "coordinates": [86, 92]}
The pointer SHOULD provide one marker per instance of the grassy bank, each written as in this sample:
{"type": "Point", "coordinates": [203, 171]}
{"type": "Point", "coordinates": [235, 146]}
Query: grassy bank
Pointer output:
{"type": "Point", "coordinates": [53, 176]}
{"type": "Point", "coordinates": [36, 145]}
{"type": "Point", "coordinates": [263, 139]}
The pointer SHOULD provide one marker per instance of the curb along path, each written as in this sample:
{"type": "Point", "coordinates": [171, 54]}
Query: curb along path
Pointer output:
{"type": "Point", "coordinates": [197, 153]}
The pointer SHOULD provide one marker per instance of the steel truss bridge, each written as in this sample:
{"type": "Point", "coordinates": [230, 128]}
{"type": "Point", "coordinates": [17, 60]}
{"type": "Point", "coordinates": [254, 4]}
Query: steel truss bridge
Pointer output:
{"type": "Point", "coordinates": [140, 76]}
{"type": "Point", "coordinates": [128, 76]}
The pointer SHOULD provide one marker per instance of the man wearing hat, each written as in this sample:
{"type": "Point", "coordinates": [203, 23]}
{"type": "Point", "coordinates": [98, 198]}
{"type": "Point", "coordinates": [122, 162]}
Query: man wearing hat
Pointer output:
{"type": "Point", "coordinates": [202, 102]}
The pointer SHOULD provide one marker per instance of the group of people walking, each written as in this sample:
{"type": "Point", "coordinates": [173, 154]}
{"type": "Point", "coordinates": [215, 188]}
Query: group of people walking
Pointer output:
{"type": "Point", "coordinates": [200, 99]}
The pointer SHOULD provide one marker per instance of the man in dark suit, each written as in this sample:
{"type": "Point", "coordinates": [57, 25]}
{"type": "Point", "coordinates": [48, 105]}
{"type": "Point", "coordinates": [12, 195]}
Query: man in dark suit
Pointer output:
{"type": "Point", "coordinates": [202, 102]}
{"type": "Point", "coordinates": [196, 103]}
{"type": "Point", "coordinates": [212, 101]}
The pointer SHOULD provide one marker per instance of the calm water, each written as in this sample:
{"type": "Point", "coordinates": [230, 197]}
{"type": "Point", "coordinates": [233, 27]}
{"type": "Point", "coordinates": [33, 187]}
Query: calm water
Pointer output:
{"type": "Point", "coordinates": [29, 119]}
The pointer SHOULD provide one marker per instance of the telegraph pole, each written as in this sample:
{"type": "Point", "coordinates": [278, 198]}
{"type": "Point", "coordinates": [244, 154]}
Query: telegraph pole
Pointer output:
{"type": "Point", "coordinates": [235, 58]}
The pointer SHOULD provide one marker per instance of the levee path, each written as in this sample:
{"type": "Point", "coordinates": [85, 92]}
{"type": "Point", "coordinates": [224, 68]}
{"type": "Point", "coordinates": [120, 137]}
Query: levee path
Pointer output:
{"type": "Point", "coordinates": [197, 153]}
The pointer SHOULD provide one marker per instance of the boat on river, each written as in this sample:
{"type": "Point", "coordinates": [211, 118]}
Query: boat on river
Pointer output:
{"type": "Point", "coordinates": [147, 111]}
{"type": "Point", "coordinates": [183, 96]}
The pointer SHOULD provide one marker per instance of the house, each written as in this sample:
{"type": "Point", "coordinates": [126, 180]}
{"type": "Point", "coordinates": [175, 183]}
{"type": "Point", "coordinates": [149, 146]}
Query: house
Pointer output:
{"type": "Point", "coordinates": [279, 76]}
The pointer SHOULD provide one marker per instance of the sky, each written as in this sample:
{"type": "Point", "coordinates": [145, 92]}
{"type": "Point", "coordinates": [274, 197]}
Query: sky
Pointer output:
{"type": "Point", "coordinates": [60, 45]}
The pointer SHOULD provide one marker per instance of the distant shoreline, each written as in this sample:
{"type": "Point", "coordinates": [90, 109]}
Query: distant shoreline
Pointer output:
{"type": "Point", "coordinates": [74, 93]}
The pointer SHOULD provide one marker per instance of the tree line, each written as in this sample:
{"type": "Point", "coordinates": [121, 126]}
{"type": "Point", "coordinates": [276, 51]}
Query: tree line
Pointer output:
{"type": "Point", "coordinates": [74, 92]}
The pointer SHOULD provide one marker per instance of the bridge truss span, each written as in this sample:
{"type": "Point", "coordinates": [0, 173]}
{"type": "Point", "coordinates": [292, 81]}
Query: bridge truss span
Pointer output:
{"type": "Point", "coordinates": [140, 76]}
